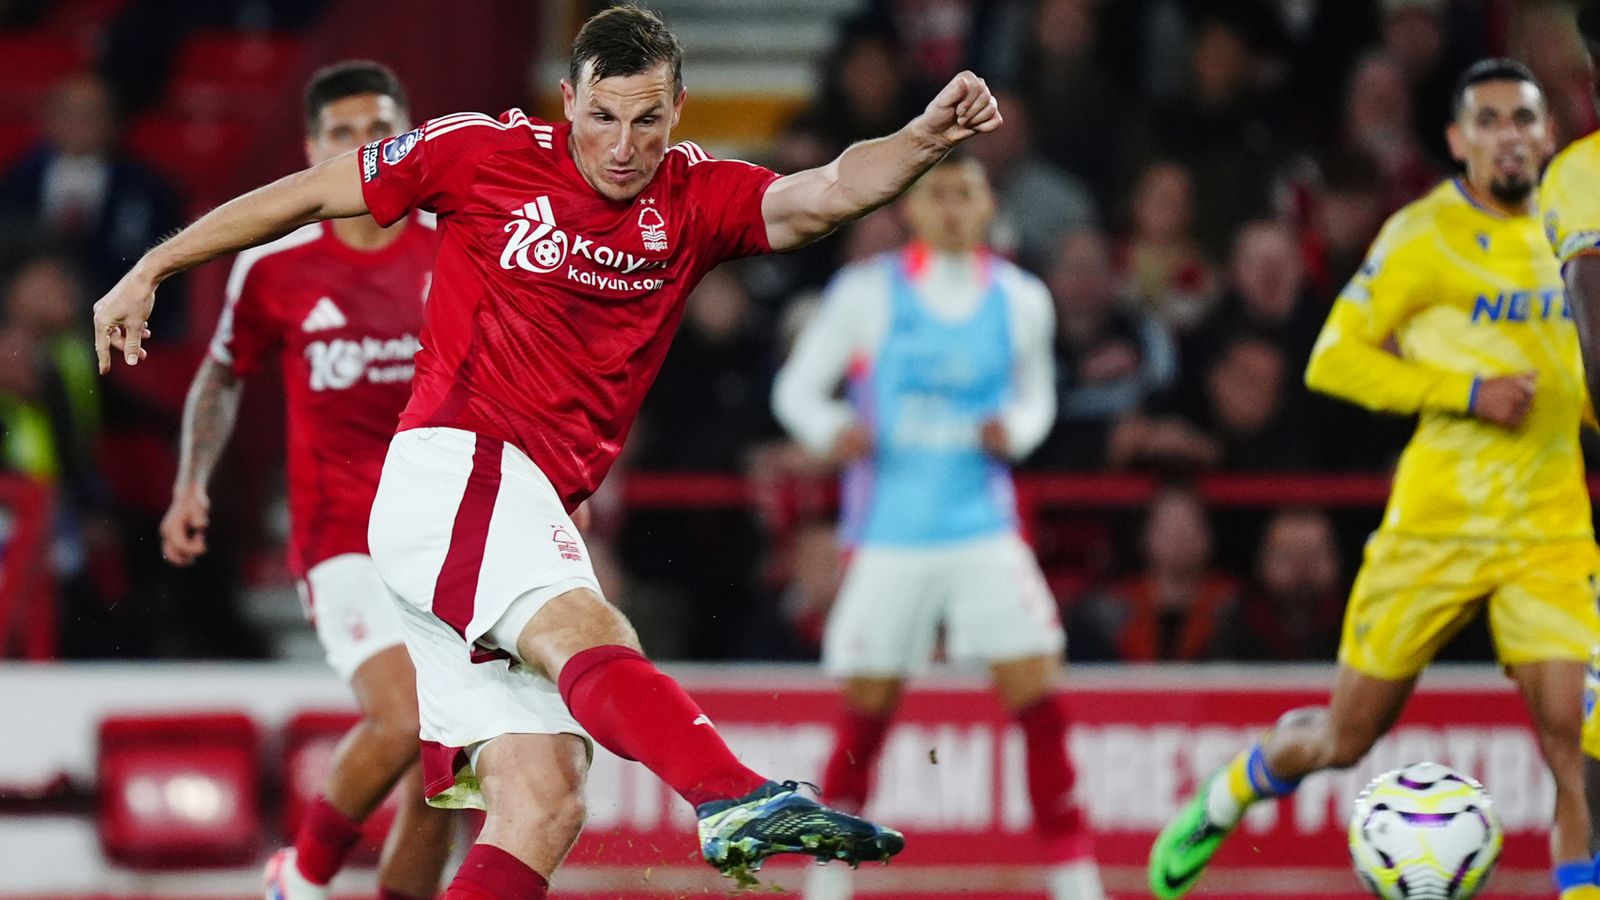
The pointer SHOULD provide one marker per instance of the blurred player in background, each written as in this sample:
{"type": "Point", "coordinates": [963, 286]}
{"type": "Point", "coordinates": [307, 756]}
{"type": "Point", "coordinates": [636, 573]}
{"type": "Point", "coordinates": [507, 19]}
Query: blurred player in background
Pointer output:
{"type": "Point", "coordinates": [948, 355]}
{"type": "Point", "coordinates": [566, 253]}
{"type": "Point", "coordinates": [1489, 508]}
{"type": "Point", "coordinates": [1569, 199]}
{"type": "Point", "coordinates": [341, 304]}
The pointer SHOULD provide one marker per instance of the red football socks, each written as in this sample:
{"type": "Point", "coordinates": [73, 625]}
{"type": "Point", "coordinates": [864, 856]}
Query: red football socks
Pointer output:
{"type": "Point", "coordinates": [1050, 778]}
{"type": "Point", "coordinates": [858, 738]}
{"type": "Point", "coordinates": [632, 709]}
{"type": "Point", "coordinates": [490, 873]}
{"type": "Point", "coordinates": [324, 840]}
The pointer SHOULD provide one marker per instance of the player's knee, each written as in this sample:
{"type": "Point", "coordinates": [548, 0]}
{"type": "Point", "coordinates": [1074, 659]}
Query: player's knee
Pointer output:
{"type": "Point", "coordinates": [568, 625]}
{"type": "Point", "coordinates": [1322, 740]}
{"type": "Point", "coordinates": [566, 816]}
{"type": "Point", "coordinates": [394, 736]}
{"type": "Point", "coordinates": [558, 814]}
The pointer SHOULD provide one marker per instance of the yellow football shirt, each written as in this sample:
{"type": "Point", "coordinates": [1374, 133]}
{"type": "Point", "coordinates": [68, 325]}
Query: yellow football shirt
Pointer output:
{"type": "Point", "coordinates": [1465, 293]}
{"type": "Point", "coordinates": [1569, 199]}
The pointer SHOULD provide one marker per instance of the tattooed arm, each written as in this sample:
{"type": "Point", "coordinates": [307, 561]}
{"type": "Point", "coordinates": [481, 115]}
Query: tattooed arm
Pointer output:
{"type": "Point", "coordinates": [208, 418]}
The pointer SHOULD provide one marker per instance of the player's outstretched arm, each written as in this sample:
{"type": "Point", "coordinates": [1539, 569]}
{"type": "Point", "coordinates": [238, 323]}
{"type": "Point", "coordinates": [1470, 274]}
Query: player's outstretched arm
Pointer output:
{"type": "Point", "coordinates": [209, 414]}
{"type": "Point", "coordinates": [328, 191]}
{"type": "Point", "coordinates": [802, 207]}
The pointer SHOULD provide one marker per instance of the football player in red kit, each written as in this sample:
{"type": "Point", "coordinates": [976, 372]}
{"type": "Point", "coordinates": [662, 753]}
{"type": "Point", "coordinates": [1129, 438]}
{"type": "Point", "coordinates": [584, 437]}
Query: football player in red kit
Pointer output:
{"type": "Point", "coordinates": [566, 252]}
{"type": "Point", "coordinates": [340, 303]}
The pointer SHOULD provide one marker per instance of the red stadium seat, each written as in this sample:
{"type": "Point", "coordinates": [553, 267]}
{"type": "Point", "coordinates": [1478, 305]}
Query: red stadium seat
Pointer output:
{"type": "Point", "coordinates": [17, 136]}
{"type": "Point", "coordinates": [203, 156]}
{"type": "Point", "coordinates": [308, 744]}
{"type": "Point", "coordinates": [180, 790]}
{"type": "Point", "coordinates": [30, 65]}
{"type": "Point", "coordinates": [232, 74]}
{"type": "Point", "coordinates": [30, 60]}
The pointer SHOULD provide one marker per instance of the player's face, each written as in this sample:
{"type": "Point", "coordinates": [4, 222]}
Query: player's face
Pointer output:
{"type": "Point", "coordinates": [350, 122]}
{"type": "Point", "coordinates": [950, 207]}
{"type": "Point", "coordinates": [620, 128]}
{"type": "Point", "coordinates": [1503, 137]}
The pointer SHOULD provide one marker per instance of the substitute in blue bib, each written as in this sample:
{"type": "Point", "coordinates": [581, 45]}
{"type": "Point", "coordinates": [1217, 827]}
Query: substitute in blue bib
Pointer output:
{"type": "Point", "coordinates": [925, 374]}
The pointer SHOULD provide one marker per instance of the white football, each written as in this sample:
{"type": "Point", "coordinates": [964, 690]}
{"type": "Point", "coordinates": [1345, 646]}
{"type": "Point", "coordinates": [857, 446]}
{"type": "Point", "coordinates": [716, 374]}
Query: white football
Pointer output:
{"type": "Point", "coordinates": [1424, 832]}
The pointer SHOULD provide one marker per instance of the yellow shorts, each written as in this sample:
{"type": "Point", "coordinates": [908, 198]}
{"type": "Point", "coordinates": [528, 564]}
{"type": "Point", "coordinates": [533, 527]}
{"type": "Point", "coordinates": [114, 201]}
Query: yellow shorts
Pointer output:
{"type": "Point", "coordinates": [1414, 594]}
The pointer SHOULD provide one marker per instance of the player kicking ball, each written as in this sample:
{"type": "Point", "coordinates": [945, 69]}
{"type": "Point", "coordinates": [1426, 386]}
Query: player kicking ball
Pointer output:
{"type": "Point", "coordinates": [340, 303]}
{"type": "Point", "coordinates": [947, 351]}
{"type": "Point", "coordinates": [566, 251]}
{"type": "Point", "coordinates": [1489, 510]}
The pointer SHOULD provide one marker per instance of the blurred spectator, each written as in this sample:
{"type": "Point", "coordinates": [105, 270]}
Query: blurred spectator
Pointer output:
{"type": "Point", "coordinates": [1226, 128]}
{"type": "Point", "coordinates": [50, 416]}
{"type": "Point", "coordinates": [1325, 36]}
{"type": "Point", "coordinates": [1038, 203]}
{"type": "Point", "coordinates": [708, 407]}
{"type": "Point", "coordinates": [1293, 608]}
{"type": "Point", "coordinates": [1346, 213]}
{"type": "Point", "coordinates": [707, 411]}
{"type": "Point", "coordinates": [1110, 356]}
{"type": "Point", "coordinates": [1242, 417]}
{"type": "Point", "coordinates": [812, 567]}
{"type": "Point", "coordinates": [51, 409]}
{"type": "Point", "coordinates": [1080, 114]}
{"type": "Point", "coordinates": [1413, 35]}
{"type": "Point", "coordinates": [863, 92]}
{"type": "Point", "coordinates": [1173, 610]}
{"type": "Point", "coordinates": [1378, 121]}
{"type": "Point", "coordinates": [1249, 389]}
{"type": "Point", "coordinates": [1267, 297]}
{"type": "Point", "coordinates": [774, 278]}
{"type": "Point", "coordinates": [1170, 274]}
{"type": "Point", "coordinates": [936, 37]}
{"type": "Point", "coordinates": [79, 190]}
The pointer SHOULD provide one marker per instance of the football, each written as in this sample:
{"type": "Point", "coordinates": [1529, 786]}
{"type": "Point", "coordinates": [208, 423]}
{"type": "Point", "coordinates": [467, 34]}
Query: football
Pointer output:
{"type": "Point", "coordinates": [1424, 832]}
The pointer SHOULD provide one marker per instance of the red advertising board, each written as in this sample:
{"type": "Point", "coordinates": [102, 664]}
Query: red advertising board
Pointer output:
{"type": "Point", "coordinates": [952, 777]}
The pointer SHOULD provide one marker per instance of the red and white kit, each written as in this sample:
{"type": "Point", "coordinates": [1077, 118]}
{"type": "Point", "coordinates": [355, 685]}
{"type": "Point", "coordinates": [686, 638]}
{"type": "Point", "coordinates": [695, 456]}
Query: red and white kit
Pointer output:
{"type": "Point", "coordinates": [345, 324]}
{"type": "Point", "coordinates": [552, 309]}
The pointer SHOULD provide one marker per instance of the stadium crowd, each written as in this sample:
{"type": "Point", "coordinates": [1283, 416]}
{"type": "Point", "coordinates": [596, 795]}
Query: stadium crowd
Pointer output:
{"type": "Point", "coordinates": [1194, 180]}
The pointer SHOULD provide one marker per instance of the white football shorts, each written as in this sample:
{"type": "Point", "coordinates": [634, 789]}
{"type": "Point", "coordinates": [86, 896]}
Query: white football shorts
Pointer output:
{"type": "Point", "coordinates": [988, 593]}
{"type": "Point", "coordinates": [472, 538]}
{"type": "Point", "coordinates": [352, 610]}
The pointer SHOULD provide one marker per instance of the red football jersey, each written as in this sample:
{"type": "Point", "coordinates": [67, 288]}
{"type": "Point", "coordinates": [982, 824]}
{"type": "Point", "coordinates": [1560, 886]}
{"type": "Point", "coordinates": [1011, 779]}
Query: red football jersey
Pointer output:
{"type": "Point", "coordinates": [553, 307]}
{"type": "Point", "coordinates": [346, 324]}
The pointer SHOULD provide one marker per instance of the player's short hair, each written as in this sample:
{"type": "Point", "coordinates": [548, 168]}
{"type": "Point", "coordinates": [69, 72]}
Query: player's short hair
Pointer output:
{"type": "Point", "coordinates": [349, 79]}
{"type": "Point", "coordinates": [1497, 68]}
{"type": "Point", "coordinates": [625, 40]}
